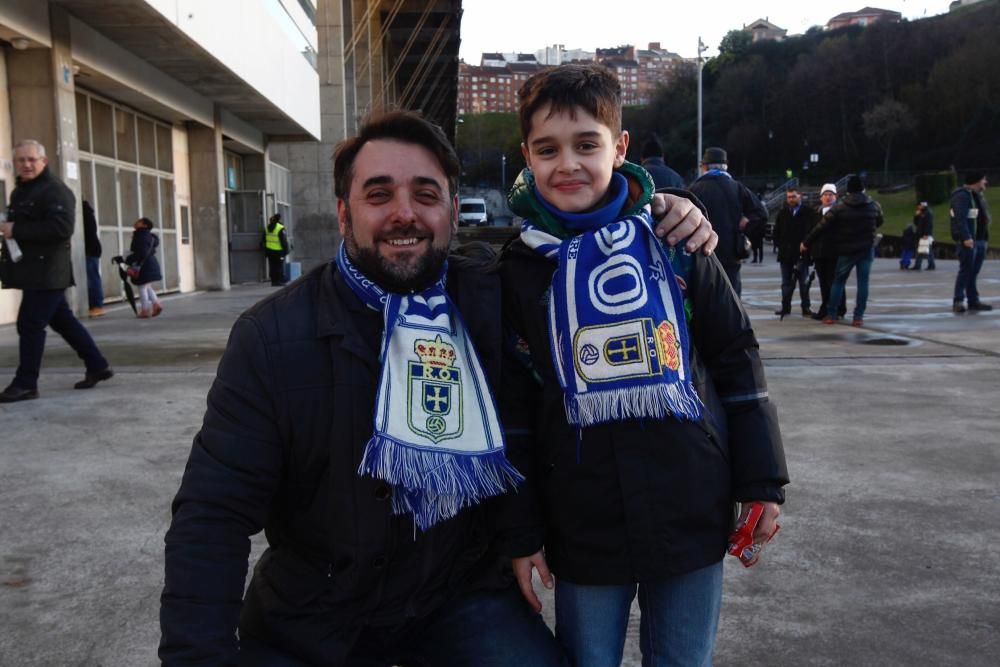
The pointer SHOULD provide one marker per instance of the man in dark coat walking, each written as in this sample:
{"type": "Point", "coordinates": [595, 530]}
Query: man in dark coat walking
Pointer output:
{"type": "Point", "coordinates": [970, 229]}
{"type": "Point", "coordinates": [41, 219]}
{"type": "Point", "coordinates": [794, 221]}
{"type": "Point", "coordinates": [732, 208]}
{"type": "Point", "coordinates": [924, 220]}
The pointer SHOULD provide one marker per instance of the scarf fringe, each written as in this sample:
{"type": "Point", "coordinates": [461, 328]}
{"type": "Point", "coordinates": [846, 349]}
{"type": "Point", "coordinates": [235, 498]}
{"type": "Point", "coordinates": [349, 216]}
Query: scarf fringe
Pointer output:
{"type": "Point", "coordinates": [678, 400]}
{"type": "Point", "coordinates": [435, 485]}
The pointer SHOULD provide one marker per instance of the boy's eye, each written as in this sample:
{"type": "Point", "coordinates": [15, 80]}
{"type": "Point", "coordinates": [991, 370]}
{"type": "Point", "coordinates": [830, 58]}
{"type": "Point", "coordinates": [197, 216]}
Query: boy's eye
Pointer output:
{"type": "Point", "coordinates": [545, 150]}
{"type": "Point", "coordinates": [588, 146]}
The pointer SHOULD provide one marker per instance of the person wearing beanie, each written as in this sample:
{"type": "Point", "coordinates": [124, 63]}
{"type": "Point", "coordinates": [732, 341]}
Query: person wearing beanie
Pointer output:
{"type": "Point", "coordinates": [852, 223]}
{"type": "Point", "coordinates": [970, 228]}
{"type": "Point", "coordinates": [735, 212]}
{"type": "Point", "coordinates": [653, 162]}
{"type": "Point", "coordinates": [824, 255]}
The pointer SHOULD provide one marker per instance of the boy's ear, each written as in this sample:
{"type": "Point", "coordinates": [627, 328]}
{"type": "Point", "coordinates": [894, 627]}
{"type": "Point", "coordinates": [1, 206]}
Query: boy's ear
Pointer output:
{"type": "Point", "coordinates": [621, 148]}
{"type": "Point", "coordinates": [526, 155]}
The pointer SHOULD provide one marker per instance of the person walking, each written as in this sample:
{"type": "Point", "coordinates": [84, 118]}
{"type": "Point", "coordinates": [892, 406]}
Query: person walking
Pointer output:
{"type": "Point", "coordinates": [41, 218]}
{"type": "Point", "coordinates": [653, 161]}
{"type": "Point", "coordinates": [731, 207]}
{"type": "Point", "coordinates": [92, 250]}
{"type": "Point", "coordinates": [853, 222]}
{"type": "Point", "coordinates": [970, 228]}
{"type": "Point", "coordinates": [823, 251]}
{"type": "Point", "coordinates": [924, 220]}
{"type": "Point", "coordinates": [794, 221]}
{"type": "Point", "coordinates": [144, 267]}
{"type": "Point", "coordinates": [908, 244]}
{"type": "Point", "coordinates": [276, 248]}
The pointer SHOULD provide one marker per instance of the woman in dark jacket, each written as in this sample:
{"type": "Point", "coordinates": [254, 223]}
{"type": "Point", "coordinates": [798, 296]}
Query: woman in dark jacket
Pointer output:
{"type": "Point", "coordinates": [144, 268]}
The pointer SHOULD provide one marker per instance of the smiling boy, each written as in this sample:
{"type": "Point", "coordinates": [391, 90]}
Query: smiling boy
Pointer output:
{"type": "Point", "coordinates": [631, 475]}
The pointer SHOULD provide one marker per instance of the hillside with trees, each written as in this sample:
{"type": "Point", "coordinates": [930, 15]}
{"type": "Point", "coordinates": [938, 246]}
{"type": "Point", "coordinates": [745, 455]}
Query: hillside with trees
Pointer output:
{"type": "Point", "coordinates": [915, 95]}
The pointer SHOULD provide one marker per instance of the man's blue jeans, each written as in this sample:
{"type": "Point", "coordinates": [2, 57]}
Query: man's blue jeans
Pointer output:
{"type": "Point", "coordinates": [678, 623]}
{"type": "Point", "coordinates": [486, 629]}
{"type": "Point", "coordinates": [970, 262]}
{"type": "Point", "coordinates": [95, 290]}
{"type": "Point", "coordinates": [863, 261]}
{"type": "Point", "coordinates": [789, 279]}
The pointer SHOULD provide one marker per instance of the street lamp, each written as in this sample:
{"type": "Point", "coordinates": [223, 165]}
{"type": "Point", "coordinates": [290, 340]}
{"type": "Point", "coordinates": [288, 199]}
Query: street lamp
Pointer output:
{"type": "Point", "coordinates": [701, 63]}
{"type": "Point", "coordinates": [503, 174]}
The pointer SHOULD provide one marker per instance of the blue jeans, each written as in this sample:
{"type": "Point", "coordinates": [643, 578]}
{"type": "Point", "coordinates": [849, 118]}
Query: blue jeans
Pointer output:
{"type": "Point", "coordinates": [41, 308]}
{"type": "Point", "coordinates": [930, 259]}
{"type": "Point", "coordinates": [486, 629]}
{"type": "Point", "coordinates": [863, 261]}
{"type": "Point", "coordinates": [970, 262]}
{"type": "Point", "coordinates": [677, 627]}
{"type": "Point", "coordinates": [95, 290]}
{"type": "Point", "coordinates": [789, 279]}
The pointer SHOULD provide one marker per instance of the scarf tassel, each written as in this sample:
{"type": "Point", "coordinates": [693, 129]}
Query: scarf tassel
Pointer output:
{"type": "Point", "coordinates": [679, 400]}
{"type": "Point", "coordinates": [435, 485]}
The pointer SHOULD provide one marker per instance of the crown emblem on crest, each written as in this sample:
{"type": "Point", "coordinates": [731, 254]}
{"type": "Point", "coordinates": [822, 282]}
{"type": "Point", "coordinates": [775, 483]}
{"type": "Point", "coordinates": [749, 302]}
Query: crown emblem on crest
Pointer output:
{"type": "Point", "coordinates": [435, 352]}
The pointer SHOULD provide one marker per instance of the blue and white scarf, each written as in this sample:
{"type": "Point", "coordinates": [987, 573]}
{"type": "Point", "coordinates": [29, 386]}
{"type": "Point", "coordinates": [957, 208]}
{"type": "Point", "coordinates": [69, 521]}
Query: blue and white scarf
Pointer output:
{"type": "Point", "coordinates": [616, 317]}
{"type": "Point", "coordinates": [437, 436]}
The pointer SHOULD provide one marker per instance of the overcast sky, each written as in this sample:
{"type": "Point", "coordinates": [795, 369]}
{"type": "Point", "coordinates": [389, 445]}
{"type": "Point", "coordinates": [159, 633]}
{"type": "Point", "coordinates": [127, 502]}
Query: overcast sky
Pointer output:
{"type": "Point", "coordinates": [528, 25]}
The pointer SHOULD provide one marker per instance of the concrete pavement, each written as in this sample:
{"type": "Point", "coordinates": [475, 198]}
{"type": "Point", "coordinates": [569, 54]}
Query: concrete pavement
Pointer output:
{"type": "Point", "coordinates": [886, 555]}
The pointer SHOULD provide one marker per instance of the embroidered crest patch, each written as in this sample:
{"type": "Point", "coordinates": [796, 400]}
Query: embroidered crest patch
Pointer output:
{"type": "Point", "coordinates": [635, 348]}
{"type": "Point", "coordinates": [435, 391]}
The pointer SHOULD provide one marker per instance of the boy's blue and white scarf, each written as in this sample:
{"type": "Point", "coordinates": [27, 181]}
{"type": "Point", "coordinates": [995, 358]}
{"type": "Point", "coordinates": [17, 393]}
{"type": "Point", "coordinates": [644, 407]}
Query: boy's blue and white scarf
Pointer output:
{"type": "Point", "coordinates": [437, 436]}
{"type": "Point", "coordinates": [616, 317]}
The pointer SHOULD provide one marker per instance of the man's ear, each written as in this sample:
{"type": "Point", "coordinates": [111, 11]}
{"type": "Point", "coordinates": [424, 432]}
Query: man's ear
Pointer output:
{"type": "Point", "coordinates": [341, 216]}
{"type": "Point", "coordinates": [454, 214]}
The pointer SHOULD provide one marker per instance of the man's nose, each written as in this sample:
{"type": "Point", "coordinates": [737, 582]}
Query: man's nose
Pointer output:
{"type": "Point", "coordinates": [403, 212]}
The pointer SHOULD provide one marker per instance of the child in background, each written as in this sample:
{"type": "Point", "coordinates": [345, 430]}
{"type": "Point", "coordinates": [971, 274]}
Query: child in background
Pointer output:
{"type": "Point", "coordinates": [631, 479]}
{"type": "Point", "coordinates": [144, 268]}
{"type": "Point", "coordinates": [909, 246]}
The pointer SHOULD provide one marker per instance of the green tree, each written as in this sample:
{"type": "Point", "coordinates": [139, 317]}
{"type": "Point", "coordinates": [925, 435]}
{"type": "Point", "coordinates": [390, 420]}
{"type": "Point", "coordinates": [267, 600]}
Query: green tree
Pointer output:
{"type": "Point", "coordinates": [885, 122]}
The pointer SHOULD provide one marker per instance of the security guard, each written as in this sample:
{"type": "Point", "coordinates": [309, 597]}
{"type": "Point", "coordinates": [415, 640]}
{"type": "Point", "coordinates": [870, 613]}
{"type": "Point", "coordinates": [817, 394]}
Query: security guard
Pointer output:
{"type": "Point", "coordinates": [276, 247]}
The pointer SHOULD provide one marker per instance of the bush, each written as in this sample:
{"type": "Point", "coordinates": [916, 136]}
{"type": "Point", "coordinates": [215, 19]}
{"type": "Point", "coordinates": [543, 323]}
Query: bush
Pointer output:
{"type": "Point", "coordinates": [935, 187]}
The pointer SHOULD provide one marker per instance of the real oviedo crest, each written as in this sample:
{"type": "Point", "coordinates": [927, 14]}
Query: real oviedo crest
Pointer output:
{"type": "Point", "coordinates": [435, 391]}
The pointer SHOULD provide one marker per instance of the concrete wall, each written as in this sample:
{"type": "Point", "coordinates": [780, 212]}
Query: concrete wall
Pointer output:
{"type": "Point", "coordinates": [273, 65]}
{"type": "Point", "coordinates": [311, 164]}
{"type": "Point", "coordinates": [182, 198]}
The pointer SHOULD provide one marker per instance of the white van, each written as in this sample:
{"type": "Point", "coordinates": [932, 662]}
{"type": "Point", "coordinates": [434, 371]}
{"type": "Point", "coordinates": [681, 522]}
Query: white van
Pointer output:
{"type": "Point", "coordinates": [472, 211]}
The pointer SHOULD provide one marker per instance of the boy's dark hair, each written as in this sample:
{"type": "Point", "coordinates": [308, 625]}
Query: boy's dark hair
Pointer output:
{"type": "Point", "coordinates": [408, 127]}
{"type": "Point", "coordinates": [652, 148]}
{"type": "Point", "coordinates": [146, 222]}
{"type": "Point", "coordinates": [591, 87]}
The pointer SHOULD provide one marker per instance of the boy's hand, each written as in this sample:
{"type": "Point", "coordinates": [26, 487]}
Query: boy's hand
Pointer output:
{"type": "Point", "coordinates": [679, 218]}
{"type": "Point", "coordinates": [522, 572]}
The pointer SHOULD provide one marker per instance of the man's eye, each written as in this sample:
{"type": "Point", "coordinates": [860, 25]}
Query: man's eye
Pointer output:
{"type": "Point", "coordinates": [377, 195]}
{"type": "Point", "coordinates": [428, 196]}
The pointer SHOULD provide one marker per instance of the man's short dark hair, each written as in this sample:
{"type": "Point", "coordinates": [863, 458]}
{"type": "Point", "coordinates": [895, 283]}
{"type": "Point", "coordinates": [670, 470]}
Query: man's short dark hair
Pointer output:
{"type": "Point", "coordinates": [408, 127]}
{"type": "Point", "coordinates": [592, 87]}
{"type": "Point", "coordinates": [792, 188]}
{"type": "Point", "coordinates": [652, 148]}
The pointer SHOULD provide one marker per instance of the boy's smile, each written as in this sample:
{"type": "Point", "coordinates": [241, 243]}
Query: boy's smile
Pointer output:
{"type": "Point", "coordinates": [572, 157]}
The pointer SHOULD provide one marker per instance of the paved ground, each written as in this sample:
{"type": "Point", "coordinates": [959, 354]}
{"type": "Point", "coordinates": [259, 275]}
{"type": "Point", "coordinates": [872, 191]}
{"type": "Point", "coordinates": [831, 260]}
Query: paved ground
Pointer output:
{"type": "Point", "coordinates": [887, 555]}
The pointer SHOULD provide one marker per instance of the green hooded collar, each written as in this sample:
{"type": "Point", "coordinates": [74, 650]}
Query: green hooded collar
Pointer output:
{"type": "Point", "coordinates": [523, 202]}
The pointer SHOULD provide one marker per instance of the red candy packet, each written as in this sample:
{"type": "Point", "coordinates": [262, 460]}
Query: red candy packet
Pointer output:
{"type": "Point", "coordinates": [741, 542]}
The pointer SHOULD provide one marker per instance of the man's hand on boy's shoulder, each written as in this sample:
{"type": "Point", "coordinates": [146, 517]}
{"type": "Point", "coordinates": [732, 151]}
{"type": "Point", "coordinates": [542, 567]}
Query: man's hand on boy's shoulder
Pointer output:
{"type": "Point", "coordinates": [678, 218]}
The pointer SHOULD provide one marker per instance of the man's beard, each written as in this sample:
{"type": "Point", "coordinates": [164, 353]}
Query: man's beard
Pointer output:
{"type": "Point", "coordinates": [411, 277]}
